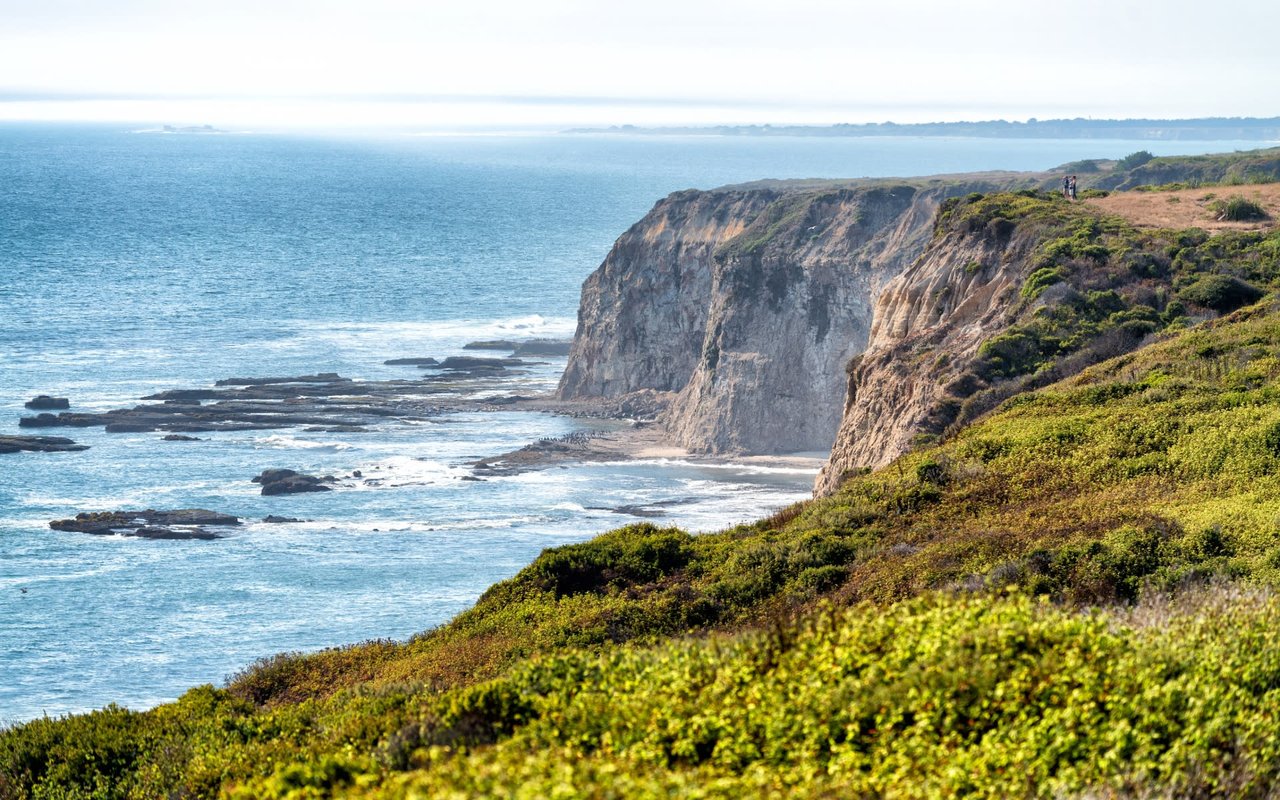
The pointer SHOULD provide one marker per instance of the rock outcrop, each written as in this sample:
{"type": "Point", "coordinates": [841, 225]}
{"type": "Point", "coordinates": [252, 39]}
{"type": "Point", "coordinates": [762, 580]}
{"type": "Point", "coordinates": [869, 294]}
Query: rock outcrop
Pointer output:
{"type": "Point", "coordinates": [739, 309]}
{"type": "Point", "coordinates": [643, 316]}
{"type": "Point", "coordinates": [39, 444]}
{"type": "Point", "coordinates": [44, 402]}
{"type": "Point", "coordinates": [790, 305]}
{"type": "Point", "coordinates": [185, 523]}
{"type": "Point", "coordinates": [746, 303]}
{"type": "Point", "coordinates": [324, 402]}
{"type": "Point", "coordinates": [287, 481]}
{"type": "Point", "coordinates": [532, 347]}
{"type": "Point", "coordinates": [928, 325]}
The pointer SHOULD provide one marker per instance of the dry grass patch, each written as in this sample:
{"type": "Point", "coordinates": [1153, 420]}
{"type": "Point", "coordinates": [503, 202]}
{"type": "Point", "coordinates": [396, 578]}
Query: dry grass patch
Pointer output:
{"type": "Point", "coordinates": [1190, 208]}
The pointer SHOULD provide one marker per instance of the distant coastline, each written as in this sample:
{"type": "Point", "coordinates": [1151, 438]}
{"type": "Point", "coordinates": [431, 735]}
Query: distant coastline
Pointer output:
{"type": "Point", "coordinates": [191, 129]}
{"type": "Point", "coordinates": [1206, 128]}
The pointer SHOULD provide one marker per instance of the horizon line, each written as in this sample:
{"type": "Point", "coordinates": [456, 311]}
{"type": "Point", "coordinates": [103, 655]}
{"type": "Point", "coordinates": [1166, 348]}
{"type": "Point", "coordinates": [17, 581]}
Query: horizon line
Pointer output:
{"type": "Point", "coordinates": [25, 95]}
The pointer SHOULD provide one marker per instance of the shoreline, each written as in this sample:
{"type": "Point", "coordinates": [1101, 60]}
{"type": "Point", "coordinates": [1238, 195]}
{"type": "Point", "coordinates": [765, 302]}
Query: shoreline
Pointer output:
{"type": "Point", "coordinates": [631, 440]}
{"type": "Point", "coordinates": [628, 428]}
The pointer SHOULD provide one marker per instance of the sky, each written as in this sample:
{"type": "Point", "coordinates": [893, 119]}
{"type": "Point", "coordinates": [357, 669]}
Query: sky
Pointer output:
{"type": "Point", "coordinates": [434, 65]}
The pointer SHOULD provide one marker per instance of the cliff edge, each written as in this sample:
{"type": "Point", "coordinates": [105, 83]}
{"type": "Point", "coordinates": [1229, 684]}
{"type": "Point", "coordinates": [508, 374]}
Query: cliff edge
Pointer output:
{"type": "Point", "coordinates": [742, 305]}
{"type": "Point", "coordinates": [855, 317]}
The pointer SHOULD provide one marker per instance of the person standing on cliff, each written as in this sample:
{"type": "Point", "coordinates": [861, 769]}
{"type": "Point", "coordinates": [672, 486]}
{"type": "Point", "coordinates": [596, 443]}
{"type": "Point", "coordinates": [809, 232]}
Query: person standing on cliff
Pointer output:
{"type": "Point", "coordinates": [1066, 186]}
{"type": "Point", "coordinates": [1073, 187]}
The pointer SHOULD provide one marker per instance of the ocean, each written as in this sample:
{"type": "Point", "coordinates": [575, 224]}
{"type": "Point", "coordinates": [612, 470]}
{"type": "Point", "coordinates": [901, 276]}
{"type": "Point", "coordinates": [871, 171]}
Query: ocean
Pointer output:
{"type": "Point", "coordinates": [134, 261]}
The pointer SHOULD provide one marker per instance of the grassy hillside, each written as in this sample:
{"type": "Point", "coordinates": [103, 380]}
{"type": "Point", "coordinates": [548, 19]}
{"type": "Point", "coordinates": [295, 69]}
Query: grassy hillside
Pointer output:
{"type": "Point", "coordinates": [1253, 166]}
{"type": "Point", "coordinates": [1068, 596]}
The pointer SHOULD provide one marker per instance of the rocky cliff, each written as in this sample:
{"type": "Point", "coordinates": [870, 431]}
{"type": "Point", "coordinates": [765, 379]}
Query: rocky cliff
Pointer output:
{"type": "Point", "coordinates": [644, 311]}
{"type": "Point", "coordinates": [1017, 291]}
{"type": "Point", "coordinates": [791, 301]}
{"type": "Point", "coordinates": [744, 305]}
{"type": "Point", "coordinates": [928, 324]}
{"type": "Point", "coordinates": [741, 308]}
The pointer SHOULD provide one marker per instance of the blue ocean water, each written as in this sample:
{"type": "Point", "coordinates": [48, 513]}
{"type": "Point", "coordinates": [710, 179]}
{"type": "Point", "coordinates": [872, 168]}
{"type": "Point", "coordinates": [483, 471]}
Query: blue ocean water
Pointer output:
{"type": "Point", "coordinates": [132, 262]}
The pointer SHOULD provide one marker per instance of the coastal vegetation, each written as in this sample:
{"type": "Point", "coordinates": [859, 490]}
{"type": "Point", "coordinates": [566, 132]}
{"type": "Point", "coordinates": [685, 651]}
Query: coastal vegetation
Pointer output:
{"type": "Point", "coordinates": [1182, 172]}
{"type": "Point", "coordinates": [1238, 209]}
{"type": "Point", "coordinates": [1135, 159]}
{"type": "Point", "coordinates": [1072, 594]}
{"type": "Point", "coordinates": [1112, 278]}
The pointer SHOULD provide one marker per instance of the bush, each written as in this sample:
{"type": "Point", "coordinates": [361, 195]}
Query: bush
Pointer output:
{"type": "Point", "coordinates": [636, 554]}
{"type": "Point", "coordinates": [1134, 160]}
{"type": "Point", "coordinates": [1237, 209]}
{"type": "Point", "coordinates": [1222, 293]}
{"type": "Point", "coordinates": [1040, 280]}
{"type": "Point", "coordinates": [1013, 353]}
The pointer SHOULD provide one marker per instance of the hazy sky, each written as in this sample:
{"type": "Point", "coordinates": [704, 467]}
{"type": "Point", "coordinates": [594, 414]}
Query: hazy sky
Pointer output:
{"type": "Point", "coordinates": [554, 62]}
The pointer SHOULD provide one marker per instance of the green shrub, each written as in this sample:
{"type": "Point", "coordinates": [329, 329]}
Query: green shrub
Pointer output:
{"type": "Point", "coordinates": [1008, 354]}
{"type": "Point", "coordinates": [932, 471]}
{"type": "Point", "coordinates": [1238, 209]}
{"type": "Point", "coordinates": [1221, 293]}
{"type": "Point", "coordinates": [1040, 280]}
{"type": "Point", "coordinates": [1134, 160]}
{"type": "Point", "coordinates": [630, 555]}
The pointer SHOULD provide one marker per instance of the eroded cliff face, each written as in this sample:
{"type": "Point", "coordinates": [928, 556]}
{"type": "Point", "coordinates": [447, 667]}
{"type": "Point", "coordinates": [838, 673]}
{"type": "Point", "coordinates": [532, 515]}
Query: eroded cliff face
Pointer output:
{"type": "Point", "coordinates": [928, 325]}
{"type": "Point", "coordinates": [745, 305]}
{"type": "Point", "coordinates": [791, 303]}
{"type": "Point", "coordinates": [742, 307]}
{"type": "Point", "coordinates": [643, 315]}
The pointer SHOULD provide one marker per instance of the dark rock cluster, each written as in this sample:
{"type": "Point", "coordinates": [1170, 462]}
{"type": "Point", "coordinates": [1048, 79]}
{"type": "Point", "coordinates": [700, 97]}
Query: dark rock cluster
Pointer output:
{"type": "Point", "coordinates": [542, 347]}
{"type": "Point", "coordinates": [287, 481]}
{"type": "Point", "coordinates": [455, 367]}
{"type": "Point", "coordinates": [39, 444]}
{"type": "Point", "coordinates": [324, 402]}
{"type": "Point", "coordinates": [186, 523]}
{"type": "Point", "coordinates": [532, 347]}
{"type": "Point", "coordinates": [44, 402]}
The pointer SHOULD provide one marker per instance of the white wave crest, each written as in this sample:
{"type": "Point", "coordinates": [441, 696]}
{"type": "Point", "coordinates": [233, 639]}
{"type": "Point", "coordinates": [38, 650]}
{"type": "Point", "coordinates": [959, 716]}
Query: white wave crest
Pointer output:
{"type": "Point", "coordinates": [387, 336]}
{"type": "Point", "coordinates": [408, 471]}
{"type": "Point", "coordinates": [728, 466]}
{"type": "Point", "coordinates": [291, 443]}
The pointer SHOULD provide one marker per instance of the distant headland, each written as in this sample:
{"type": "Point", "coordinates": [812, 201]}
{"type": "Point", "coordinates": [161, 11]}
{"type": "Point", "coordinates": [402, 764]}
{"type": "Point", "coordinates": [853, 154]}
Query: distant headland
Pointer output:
{"type": "Point", "coordinates": [1205, 128]}
{"type": "Point", "coordinates": [192, 129]}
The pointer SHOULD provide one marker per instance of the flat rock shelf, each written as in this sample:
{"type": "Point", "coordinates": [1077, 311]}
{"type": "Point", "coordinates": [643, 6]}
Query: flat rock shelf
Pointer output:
{"type": "Point", "coordinates": [39, 444]}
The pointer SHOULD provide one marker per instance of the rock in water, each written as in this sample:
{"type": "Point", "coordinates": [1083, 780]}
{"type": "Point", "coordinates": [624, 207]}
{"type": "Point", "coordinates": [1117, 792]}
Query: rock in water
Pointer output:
{"type": "Point", "coordinates": [323, 377]}
{"type": "Point", "coordinates": [39, 444]}
{"type": "Point", "coordinates": [129, 427]}
{"type": "Point", "coordinates": [183, 523]}
{"type": "Point", "coordinates": [287, 481]}
{"type": "Point", "coordinates": [475, 362]}
{"type": "Point", "coordinates": [45, 403]}
{"type": "Point", "coordinates": [542, 347]}
{"type": "Point", "coordinates": [157, 532]}
{"type": "Point", "coordinates": [491, 344]}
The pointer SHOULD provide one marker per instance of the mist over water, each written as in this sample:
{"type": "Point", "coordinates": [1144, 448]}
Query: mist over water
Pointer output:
{"type": "Point", "coordinates": [131, 263]}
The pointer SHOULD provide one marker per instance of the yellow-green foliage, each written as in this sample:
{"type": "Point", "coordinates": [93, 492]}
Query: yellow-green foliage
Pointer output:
{"type": "Point", "coordinates": [935, 698]}
{"type": "Point", "coordinates": [983, 696]}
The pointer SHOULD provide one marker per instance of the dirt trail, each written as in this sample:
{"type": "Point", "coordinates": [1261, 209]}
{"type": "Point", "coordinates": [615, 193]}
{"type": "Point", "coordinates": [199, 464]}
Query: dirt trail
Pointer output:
{"type": "Point", "coordinates": [1190, 208]}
